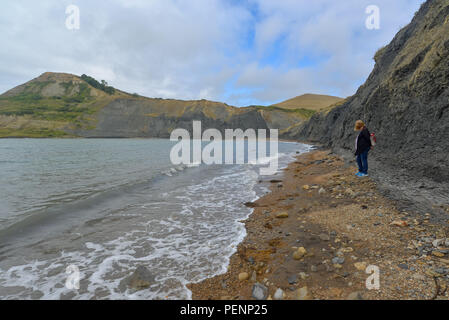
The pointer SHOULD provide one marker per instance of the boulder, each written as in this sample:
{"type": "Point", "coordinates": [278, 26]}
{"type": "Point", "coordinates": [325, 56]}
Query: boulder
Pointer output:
{"type": "Point", "coordinates": [300, 253]}
{"type": "Point", "coordinates": [354, 296]}
{"type": "Point", "coordinates": [282, 215]}
{"type": "Point", "coordinates": [303, 294]}
{"type": "Point", "coordinates": [141, 279]}
{"type": "Point", "coordinates": [438, 242]}
{"type": "Point", "coordinates": [361, 266]}
{"type": "Point", "coordinates": [243, 276]}
{"type": "Point", "coordinates": [279, 294]}
{"type": "Point", "coordinates": [259, 292]}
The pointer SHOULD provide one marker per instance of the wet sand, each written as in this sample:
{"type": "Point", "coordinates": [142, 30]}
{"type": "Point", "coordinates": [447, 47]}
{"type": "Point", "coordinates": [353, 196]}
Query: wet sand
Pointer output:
{"type": "Point", "coordinates": [345, 225]}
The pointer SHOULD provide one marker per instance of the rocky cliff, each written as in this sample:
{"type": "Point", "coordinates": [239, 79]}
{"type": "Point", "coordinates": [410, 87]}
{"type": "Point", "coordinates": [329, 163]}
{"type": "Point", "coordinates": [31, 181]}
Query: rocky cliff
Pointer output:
{"type": "Point", "coordinates": [405, 101]}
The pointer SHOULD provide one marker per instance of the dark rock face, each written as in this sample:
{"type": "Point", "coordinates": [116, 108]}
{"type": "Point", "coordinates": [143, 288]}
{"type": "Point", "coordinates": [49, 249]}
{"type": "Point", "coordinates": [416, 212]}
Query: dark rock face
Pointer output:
{"type": "Point", "coordinates": [405, 101]}
{"type": "Point", "coordinates": [127, 118]}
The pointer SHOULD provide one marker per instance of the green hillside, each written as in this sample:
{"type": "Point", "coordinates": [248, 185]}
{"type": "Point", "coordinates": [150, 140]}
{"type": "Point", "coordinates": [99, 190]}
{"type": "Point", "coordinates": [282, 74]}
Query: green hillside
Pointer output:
{"type": "Point", "coordinates": [66, 105]}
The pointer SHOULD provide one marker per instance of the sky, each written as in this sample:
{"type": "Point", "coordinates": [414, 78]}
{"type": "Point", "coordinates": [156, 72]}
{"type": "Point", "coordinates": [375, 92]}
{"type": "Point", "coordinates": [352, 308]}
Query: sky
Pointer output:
{"type": "Point", "coordinates": [248, 52]}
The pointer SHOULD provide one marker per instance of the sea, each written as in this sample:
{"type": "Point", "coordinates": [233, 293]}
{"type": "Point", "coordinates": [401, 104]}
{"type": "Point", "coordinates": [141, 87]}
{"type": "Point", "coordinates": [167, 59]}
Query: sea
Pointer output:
{"type": "Point", "coordinates": [79, 216]}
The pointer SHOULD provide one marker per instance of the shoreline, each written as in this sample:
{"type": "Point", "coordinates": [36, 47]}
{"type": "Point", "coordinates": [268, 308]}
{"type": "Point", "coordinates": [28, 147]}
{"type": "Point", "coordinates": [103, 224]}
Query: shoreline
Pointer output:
{"type": "Point", "coordinates": [344, 224]}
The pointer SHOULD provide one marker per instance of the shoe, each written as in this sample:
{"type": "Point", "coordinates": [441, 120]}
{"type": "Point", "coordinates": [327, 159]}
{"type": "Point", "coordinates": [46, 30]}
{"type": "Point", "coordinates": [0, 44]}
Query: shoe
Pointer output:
{"type": "Point", "coordinates": [364, 175]}
{"type": "Point", "coordinates": [358, 174]}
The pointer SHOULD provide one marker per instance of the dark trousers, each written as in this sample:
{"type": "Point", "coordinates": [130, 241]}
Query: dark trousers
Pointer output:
{"type": "Point", "coordinates": [362, 162]}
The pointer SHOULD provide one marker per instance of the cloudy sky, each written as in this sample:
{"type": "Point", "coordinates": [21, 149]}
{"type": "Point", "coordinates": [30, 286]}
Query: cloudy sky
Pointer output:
{"type": "Point", "coordinates": [239, 52]}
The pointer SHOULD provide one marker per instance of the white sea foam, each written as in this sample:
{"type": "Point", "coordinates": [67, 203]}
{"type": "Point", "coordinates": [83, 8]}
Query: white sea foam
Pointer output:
{"type": "Point", "coordinates": [194, 239]}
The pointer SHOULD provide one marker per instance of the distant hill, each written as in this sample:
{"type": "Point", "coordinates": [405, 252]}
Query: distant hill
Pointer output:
{"type": "Point", "coordinates": [45, 105]}
{"type": "Point", "coordinates": [309, 101]}
{"type": "Point", "coordinates": [66, 105]}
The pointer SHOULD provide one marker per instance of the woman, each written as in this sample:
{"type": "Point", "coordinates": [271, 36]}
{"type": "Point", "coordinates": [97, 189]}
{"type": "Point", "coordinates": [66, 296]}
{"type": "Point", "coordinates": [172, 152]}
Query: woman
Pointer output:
{"type": "Point", "coordinates": [362, 146]}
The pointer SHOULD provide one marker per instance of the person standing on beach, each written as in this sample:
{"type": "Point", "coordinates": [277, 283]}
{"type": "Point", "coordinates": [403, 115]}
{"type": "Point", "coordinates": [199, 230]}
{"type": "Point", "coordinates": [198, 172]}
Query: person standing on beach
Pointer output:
{"type": "Point", "coordinates": [362, 147]}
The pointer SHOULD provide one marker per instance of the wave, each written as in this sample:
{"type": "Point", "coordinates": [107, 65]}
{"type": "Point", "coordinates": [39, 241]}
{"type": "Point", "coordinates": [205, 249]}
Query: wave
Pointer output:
{"type": "Point", "coordinates": [61, 205]}
{"type": "Point", "coordinates": [185, 232]}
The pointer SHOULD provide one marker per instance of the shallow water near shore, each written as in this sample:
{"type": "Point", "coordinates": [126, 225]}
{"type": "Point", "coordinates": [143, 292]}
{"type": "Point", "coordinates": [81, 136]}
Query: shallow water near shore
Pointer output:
{"type": "Point", "coordinates": [108, 206]}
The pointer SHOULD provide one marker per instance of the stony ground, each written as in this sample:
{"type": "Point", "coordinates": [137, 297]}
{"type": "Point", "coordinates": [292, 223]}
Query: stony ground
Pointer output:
{"type": "Point", "coordinates": [320, 234]}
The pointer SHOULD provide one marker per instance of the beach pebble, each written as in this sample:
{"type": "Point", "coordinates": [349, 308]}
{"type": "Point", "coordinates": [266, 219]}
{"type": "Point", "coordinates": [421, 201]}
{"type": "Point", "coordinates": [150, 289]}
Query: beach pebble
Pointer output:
{"type": "Point", "coordinates": [419, 277]}
{"type": "Point", "coordinates": [254, 276]}
{"type": "Point", "coordinates": [300, 253]}
{"type": "Point", "coordinates": [403, 266]}
{"type": "Point", "coordinates": [361, 266]}
{"type": "Point", "coordinates": [303, 275]}
{"type": "Point", "coordinates": [303, 294]}
{"type": "Point", "coordinates": [354, 296]}
{"type": "Point", "coordinates": [292, 279]}
{"type": "Point", "coordinates": [243, 276]}
{"type": "Point", "coordinates": [438, 242]}
{"type": "Point", "coordinates": [259, 292]}
{"type": "Point", "coordinates": [324, 237]}
{"type": "Point", "coordinates": [399, 223]}
{"type": "Point", "coordinates": [224, 284]}
{"type": "Point", "coordinates": [438, 254]}
{"type": "Point", "coordinates": [282, 215]}
{"type": "Point", "coordinates": [442, 271]}
{"type": "Point", "coordinates": [321, 191]}
{"type": "Point", "coordinates": [338, 260]}
{"type": "Point", "coordinates": [279, 294]}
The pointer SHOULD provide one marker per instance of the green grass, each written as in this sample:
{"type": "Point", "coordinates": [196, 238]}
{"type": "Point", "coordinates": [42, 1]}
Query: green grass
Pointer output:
{"type": "Point", "coordinates": [72, 106]}
{"type": "Point", "coordinates": [32, 133]}
{"type": "Point", "coordinates": [48, 108]}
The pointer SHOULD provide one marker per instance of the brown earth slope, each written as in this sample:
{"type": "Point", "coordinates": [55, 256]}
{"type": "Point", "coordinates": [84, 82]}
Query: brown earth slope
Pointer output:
{"type": "Point", "coordinates": [309, 101]}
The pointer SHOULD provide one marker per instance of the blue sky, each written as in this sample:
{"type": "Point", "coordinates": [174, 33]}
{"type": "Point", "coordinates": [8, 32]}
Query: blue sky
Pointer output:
{"type": "Point", "coordinates": [239, 52]}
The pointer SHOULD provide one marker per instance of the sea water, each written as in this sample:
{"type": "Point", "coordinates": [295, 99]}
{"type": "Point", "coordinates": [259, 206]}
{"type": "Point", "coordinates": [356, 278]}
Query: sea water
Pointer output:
{"type": "Point", "coordinates": [108, 206]}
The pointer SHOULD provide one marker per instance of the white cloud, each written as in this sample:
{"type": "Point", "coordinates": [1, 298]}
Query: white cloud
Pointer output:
{"type": "Point", "coordinates": [255, 51]}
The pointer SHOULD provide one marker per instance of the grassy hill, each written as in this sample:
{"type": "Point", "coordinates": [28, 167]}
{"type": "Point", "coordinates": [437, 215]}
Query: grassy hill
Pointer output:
{"type": "Point", "coordinates": [66, 105]}
{"type": "Point", "coordinates": [309, 101]}
{"type": "Point", "coordinates": [43, 106]}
